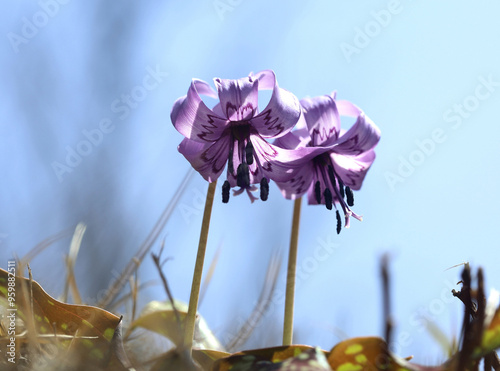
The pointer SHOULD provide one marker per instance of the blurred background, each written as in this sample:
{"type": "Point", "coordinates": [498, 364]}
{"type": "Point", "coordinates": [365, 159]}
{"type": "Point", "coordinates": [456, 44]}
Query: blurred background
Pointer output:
{"type": "Point", "coordinates": [85, 136]}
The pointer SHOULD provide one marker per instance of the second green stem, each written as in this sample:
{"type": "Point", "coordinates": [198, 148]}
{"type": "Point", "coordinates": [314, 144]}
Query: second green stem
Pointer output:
{"type": "Point", "coordinates": [290, 278]}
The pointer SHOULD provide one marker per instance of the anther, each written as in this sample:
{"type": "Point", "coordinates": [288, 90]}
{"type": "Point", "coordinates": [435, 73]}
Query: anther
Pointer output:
{"type": "Point", "coordinates": [249, 152]}
{"type": "Point", "coordinates": [317, 192]}
{"type": "Point", "coordinates": [264, 189]}
{"type": "Point", "coordinates": [226, 187]}
{"type": "Point", "coordinates": [339, 222]}
{"type": "Point", "coordinates": [350, 196]}
{"type": "Point", "coordinates": [243, 176]}
{"type": "Point", "coordinates": [328, 198]}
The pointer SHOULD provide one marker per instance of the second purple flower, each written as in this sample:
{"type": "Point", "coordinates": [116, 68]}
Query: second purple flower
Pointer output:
{"type": "Point", "coordinates": [341, 158]}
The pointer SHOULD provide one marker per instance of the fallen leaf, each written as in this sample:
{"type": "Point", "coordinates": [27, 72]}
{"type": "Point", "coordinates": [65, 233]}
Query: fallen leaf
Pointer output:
{"type": "Point", "coordinates": [83, 335]}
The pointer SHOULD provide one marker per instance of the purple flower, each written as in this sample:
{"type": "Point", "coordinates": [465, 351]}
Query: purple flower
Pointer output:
{"type": "Point", "coordinates": [341, 158]}
{"type": "Point", "coordinates": [234, 132]}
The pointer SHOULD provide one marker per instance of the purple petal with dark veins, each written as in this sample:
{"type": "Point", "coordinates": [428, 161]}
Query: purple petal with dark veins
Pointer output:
{"type": "Point", "coordinates": [299, 183]}
{"type": "Point", "coordinates": [238, 98]}
{"type": "Point", "coordinates": [208, 159]}
{"type": "Point", "coordinates": [352, 169]}
{"type": "Point", "coordinates": [281, 113]}
{"type": "Point", "coordinates": [322, 118]}
{"type": "Point", "coordinates": [279, 164]}
{"type": "Point", "coordinates": [361, 137]}
{"type": "Point", "coordinates": [193, 119]}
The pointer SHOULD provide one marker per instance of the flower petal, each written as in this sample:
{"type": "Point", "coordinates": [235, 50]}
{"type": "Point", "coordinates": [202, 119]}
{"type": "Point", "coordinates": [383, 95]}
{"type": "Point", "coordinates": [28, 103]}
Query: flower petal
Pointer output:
{"type": "Point", "coordinates": [352, 169]}
{"type": "Point", "coordinates": [293, 139]}
{"type": "Point", "coordinates": [322, 118]}
{"type": "Point", "coordinates": [361, 137]}
{"type": "Point", "coordinates": [281, 164]}
{"type": "Point", "coordinates": [193, 119]}
{"type": "Point", "coordinates": [238, 98]}
{"type": "Point", "coordinates": [281, 113]}
{"type": "Point", "coordinates": [208, 159]}
{"type": "Point", "coordinates": [299, 183]}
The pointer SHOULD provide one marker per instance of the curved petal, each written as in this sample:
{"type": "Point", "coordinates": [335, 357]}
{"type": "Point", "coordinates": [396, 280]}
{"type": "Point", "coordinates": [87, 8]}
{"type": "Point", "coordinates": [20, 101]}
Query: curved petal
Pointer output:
{"type": "Point", "coordinates": [281, 113]}
{"type": "Point", "coordinates": [293, 139]}
{"type": "Point", "coordinates": [352, 169]}
{"type": "Point", "coordinates": [267, 79]}
{"type": "Point", "coordinates": [322, 118]}
{"type": "Point", "coordinates": [208, 159]}
{"type": "Point", "coordinates": [301, 179]}
{"type": "Point", "coordinates": [347, 108]}
{"type": "Point", "coordinates": [238, 98]}
{"type": "Point", "coordinates": [204, 88]}
{"type": "Point", "coordinates": [361, 137]}
{"type": "Point", "coordinates": [218, 110]}
{"type": "Point", "coordinates": [281, 164]}
{"type": "Point", "coordinates": [193, 119]}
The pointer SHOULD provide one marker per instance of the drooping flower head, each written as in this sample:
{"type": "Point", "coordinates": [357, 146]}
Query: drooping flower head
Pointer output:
{"type": "Point", "coordinates": [341, 160]}
{"type": "Point", "coordinates": [234, 131]}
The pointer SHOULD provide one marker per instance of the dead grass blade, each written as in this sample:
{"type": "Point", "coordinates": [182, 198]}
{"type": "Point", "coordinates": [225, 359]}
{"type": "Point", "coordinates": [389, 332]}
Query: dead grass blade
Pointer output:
{"type": "Point", "coordinates": [74, 248]}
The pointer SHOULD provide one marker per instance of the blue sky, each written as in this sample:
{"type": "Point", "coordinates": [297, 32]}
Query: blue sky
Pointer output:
{"type": "Point", "coordinates": [426, 73]}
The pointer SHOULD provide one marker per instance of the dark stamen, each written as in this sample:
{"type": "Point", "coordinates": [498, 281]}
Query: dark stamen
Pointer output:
{"type": "Point", "coordinates": [226, 187]}
{"type": "Point", "coordinates": [339, 222]}
{"type": "Point", "coordinates": [341, 187]}
{"type": "Point", "coordinates": [243, 176]}
{"type": "Point", "coordinates": [264, 189]}
{"type": "Point", "coordinates": [331, 175]}
{"type": "Point", "coordinates": [328, 198]}
{"type": "Point", "coordinates": [230, 166]}
{"type": "Point", "coordinates": [249, 153]}
{"type": "Point", "coordinates": [317, 191]}
{"type": "Point", "coordinates": [350, 196]}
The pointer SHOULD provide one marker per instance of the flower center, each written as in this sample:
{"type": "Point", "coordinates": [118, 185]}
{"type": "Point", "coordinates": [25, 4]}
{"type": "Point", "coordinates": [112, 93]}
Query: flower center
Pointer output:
{"type": "Point", "coordinates": [239, 133]}
{"type": "Point", "coordinates": [240, 130]}
{"type": "Point", "coordinates": [329, 189]}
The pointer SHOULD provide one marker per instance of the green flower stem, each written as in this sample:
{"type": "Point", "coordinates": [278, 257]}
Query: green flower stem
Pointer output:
{"type": "Point", "coordinates": [198, 270]}
{"type": "Point", "coordinates": [290, 278]}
